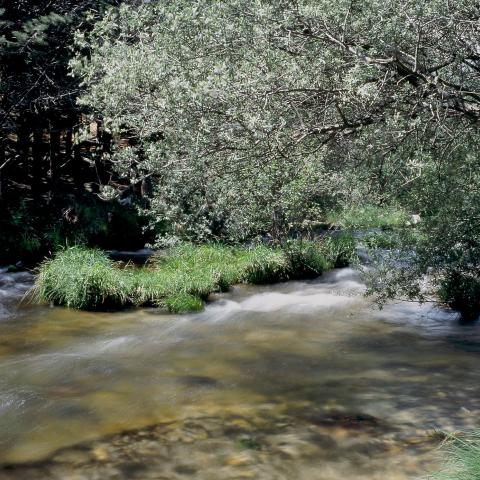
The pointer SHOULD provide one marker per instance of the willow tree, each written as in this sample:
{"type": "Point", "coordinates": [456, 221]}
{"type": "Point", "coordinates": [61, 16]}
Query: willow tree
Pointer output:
{"type": "Point", "coordinates": [256, 116]}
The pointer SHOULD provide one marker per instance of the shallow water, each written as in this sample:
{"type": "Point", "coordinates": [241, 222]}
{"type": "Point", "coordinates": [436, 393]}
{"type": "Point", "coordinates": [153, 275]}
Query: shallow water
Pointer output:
{"type": "Point", "coordinates": [300, 380]}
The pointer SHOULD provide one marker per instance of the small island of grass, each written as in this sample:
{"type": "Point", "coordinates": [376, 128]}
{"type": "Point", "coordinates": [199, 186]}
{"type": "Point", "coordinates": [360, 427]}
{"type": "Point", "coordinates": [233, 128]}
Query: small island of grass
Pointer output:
{"type": "Point", "coordinates": [181, 278]}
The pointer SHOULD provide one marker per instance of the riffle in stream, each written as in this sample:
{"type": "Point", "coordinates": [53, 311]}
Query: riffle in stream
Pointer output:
{"type": "Point", "coordinates": [301, 380]}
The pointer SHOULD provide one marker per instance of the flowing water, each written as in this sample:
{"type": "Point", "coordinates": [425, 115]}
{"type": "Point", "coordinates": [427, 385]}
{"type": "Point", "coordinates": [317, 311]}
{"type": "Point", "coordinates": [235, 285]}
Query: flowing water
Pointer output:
{"type": "Point", "coordinates": [301, 380]}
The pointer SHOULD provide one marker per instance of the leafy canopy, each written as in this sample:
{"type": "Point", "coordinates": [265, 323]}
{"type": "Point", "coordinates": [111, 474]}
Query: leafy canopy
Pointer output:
{"type": "Point", "coordinates": [259, 116]}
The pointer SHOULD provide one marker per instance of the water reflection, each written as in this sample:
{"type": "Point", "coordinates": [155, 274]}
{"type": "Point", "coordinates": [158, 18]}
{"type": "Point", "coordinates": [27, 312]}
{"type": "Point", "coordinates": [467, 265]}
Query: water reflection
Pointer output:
{"type": "Point", "coordinates": [299, 380]}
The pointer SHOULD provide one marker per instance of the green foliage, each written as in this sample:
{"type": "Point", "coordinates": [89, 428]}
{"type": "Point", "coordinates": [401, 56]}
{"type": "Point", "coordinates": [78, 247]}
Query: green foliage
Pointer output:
{"type": "Point", "coordinates": [217, 139]}
{"type": "Point", "coordinates": [461, 291]}
{"type": "Point", "coordinates": [29, 244]}
{"type": "Point", "coordinates": [305, 258]}
{"type": "Point", "coordinates": [367, 216]}
{"type": "Point", "coordinates": [252, 114]}
{"type": "Point", "coordinates": [29, 232]}
{"type": "Point", "coordinates": [267, 265]}
{"type": "Point", "coordinates": [182, 302]}
{"type": "Point", "coordinates": [35, 47]}
{"type": "Point", "coordinates": [383, 240]}
{"type": "Point", "coordinates": [82, 278]}
{"type": "Point", "coordinates": [18, 234]}
{"type": "Point", "coordinates": [439, 257]}
{"type": "Point", "coordinates": [261, 116]}
{"type": "Point", "coordinates": [340, 250]}
{"type": "Point", "coordinates": [463, 457]}
{"type": "Point", "coordinates": [179, 279]}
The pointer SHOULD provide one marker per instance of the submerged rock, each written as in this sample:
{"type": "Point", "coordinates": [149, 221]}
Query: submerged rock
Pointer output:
{"type": "Point", "coordinates": [198, 381]}
{"type": "Point", "coordinates": [346, 420]}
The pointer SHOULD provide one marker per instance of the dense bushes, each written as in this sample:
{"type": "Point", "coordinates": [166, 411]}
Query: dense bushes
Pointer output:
{"type": "Point", "coordinates": [181, 278]}
{"type": "Point", "coordinates": [461, 291]}
{"type": "Point", "coordinates": [364, 216]}
{"type": "Point", "coordinates": [439, 257]}
{"type": "Point", "coordinates": [252, 117]}
{"type": "Point", "coordinates": [28, 231]}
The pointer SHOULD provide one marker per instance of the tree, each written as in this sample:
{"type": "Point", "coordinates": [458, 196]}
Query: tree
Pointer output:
{"type": "Point", "coordinates": [35, 47]}
{"type": "Point", "coordinates": [41, 171]}
{"type": "Point", "coordinates": [254, 115]}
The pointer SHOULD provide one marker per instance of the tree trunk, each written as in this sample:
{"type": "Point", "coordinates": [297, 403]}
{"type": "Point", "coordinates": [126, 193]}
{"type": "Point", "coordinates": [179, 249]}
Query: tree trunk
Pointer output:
{"type": "Point", "coordinates": [38, 161]}
{"type": "Point", "coordinates": [54, 154]}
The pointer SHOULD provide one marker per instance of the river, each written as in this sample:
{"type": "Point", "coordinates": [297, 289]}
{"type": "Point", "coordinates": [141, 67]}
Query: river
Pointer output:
{"type": "Point", "coordinates": [300, 380]}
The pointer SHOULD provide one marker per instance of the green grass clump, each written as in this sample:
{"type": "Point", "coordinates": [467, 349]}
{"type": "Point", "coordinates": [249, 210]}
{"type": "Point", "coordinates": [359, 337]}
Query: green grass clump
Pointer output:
{"type": "Point", "coordinates": [182, 302]}
{"type": "Point", "coordinates": [82, 278]}
{"type": "Point", "coordinates": [340, 250]}
{"type": "Point", "coordinates": [265, 264]}
{"type": "Point", "coordinates": [181, 278]}
{"type": "Point", "coordinates": [382, 239]}
{"type": "Point", "coordinates": [368, 216]}
{"type": "Point", "coordinates": [463, 457]}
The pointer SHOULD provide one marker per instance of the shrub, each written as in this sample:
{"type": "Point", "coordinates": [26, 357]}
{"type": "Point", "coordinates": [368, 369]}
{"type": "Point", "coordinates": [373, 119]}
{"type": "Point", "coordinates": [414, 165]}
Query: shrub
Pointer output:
{"type": "Point", "coordinates": [29, 230]}
{"type": "Point", "coordinates": [461, 291]}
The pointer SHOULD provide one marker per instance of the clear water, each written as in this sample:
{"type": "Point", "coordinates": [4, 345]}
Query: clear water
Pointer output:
{"type": "Point", "coordinates": [301, 380]}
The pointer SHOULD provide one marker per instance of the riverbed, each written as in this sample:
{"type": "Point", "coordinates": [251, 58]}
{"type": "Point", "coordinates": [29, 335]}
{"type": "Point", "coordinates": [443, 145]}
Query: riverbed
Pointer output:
{"type": "Point", "coordinates": [300, 380]}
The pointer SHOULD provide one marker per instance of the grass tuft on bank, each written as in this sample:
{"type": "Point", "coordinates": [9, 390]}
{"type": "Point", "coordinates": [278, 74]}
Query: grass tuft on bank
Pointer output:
{"type": "Point", "coordinates": [79, 277]}
{"type": "Point", "coordinates": [463, 457]}
{"type": "Point", "coordinates": [360, 217]}
{"type": "Point", "coordinates": [181, 278]}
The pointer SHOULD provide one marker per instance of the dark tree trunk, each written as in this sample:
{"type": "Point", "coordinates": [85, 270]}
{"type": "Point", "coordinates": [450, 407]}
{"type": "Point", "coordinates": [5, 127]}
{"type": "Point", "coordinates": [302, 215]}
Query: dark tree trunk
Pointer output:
{"type": "Point", "coordinates": [38, 161]}
{"type": "Point", "coordinates": [2, 167]}
{"type": "Point", "coordinates": [23, 149]}
{"type": "Point", "coordinates": [54, 154]}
